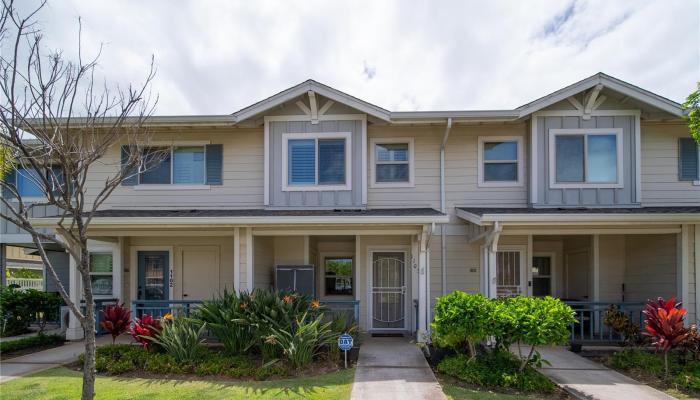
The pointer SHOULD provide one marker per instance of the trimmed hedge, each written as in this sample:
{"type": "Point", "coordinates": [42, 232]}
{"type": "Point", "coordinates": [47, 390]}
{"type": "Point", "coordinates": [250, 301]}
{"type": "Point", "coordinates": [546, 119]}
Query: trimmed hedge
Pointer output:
{"type": "Point", "coordinates": [31, 341]}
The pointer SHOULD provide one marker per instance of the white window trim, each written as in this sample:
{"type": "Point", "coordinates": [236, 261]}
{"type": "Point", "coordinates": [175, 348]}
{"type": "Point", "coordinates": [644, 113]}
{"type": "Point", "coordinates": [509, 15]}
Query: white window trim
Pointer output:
{"type": "Point", "coordinates": [172, 185]}
{"type": "Point", "coordinates": [553, 133]}
{"type": "Point", "coordinates": [521, 164]}
{"type": "Point", "coordinates": [323, 257]}
{"type": "Point", "coordinates": [286, 187]}
{"type": "Point", "coordinates": [373, 164]}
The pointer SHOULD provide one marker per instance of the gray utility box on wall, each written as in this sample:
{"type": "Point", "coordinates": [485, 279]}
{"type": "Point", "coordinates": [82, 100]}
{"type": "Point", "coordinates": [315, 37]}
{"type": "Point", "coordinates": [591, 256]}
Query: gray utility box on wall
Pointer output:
{"type": "Point", "coordinates": [295, 278]}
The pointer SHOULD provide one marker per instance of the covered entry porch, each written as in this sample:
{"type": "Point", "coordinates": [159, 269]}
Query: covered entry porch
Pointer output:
{"type": "Point", "coordinates": [589, 262]}
{"type": "Point", "coordinates": [372, 268]}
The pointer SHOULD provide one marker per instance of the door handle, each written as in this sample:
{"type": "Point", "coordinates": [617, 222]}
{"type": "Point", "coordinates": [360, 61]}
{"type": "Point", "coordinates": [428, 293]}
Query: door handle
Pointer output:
{"type": "Point", "coordinates": [184, 295]}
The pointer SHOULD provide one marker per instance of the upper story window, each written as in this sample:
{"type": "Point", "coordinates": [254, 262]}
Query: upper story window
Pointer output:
{"type": "Point", "coordinates": [689, 160]}
{"type": "Point", "coordinates": [392, 162]}
{"type": "Point", "coordinates": [26, 183]}
{"type": "Point", "coordinates": [316, 161]}
{"type": "Point", "coordinates": [500, 161]}
{"type": "Point", "coordinates": [181, 165]}
{"type": "Point", "coordinates": [585, 158]}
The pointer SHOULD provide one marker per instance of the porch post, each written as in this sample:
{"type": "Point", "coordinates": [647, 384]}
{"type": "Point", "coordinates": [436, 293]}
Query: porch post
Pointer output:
{"type": "Point", "coordinates": [237, 259]}
{"type": "Point", "coordinates": [74, 330]}
{"type": "Point", "coordinates": [683, 269]}
{"type": "Point", "coordinates": [422, 334]}
{"type": "Point", "coordinates": [249, 259]}
{"type": "Point", "coordinates": [697, 273]}
{"type": "Point", "coordinates": [596, 267]}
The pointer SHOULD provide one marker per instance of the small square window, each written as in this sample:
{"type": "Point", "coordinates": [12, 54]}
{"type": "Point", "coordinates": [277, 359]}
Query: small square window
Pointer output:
{"type": "Point", "coordinates": [102, 273]}
{"type": "Point", "coordinates": [499, 159]}
{"type": "Point", "coordinates": [338, 276]}
{"type": "Point", "coordinates": [392, 162]}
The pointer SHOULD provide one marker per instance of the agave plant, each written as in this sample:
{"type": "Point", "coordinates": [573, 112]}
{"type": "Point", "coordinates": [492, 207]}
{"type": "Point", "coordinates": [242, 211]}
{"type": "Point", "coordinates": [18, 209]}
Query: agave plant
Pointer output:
{"type": "Point", "coordinates": [664, 324]}
{"type": "Point", "coordinates": [143, 328]}
{"type": "Point", "coordinates": [115, 320]}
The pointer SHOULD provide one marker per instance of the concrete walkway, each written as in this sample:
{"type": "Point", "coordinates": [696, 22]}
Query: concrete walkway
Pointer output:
{"type": "Point", "coordinates": [586, 379]}
{"type": "Point", "coordinates": [393, 368]}
{"type": "Point", "coordinates": [47, 359]}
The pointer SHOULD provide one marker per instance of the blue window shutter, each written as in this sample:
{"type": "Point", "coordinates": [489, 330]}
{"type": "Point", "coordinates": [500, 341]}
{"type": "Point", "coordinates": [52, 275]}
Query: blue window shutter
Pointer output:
{"type": "Point", "coordinates": [60, 178]}
{"type": "Point", "coordinates": [215, 164]}
{"type": "Point", "coordinates": [688, 160]}
{"type": "Point", "coordinates": [331, 161]}
{"type": "Point", "coordinates": [9, 178]}
{"type": "Point", "coordinates": [302, 161]}
{"type": "Point", "coordinates": [134, 179]}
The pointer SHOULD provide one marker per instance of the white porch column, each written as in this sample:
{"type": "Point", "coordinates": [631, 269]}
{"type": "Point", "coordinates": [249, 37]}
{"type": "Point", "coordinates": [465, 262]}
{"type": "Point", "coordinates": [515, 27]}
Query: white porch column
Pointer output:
{"type": "Point", "coordinates": [249, 259]}
{"type": "Point", "coordinates": [697, 273]}
{"type": "Point", "coordinates": [237, 259]}
{"type": "Point", "coordinates": [683, 270]}
{"type": "Point", "coordinates": [75, 330]}
{"type": "Point", "coordinates": [596, 267]}
{"type": "Point", "coordinates": [423, 301]}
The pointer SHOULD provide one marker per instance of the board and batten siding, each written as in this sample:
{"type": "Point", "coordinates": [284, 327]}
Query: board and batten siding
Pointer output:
{"type": "Point", "coordinates": [593, 197]}
{"type": "Point", "coordinates": [242, 173]}
{"type": "Point", "coordinates": [315, 198]}
{"type": "Point", "coordinates": [660, 183]}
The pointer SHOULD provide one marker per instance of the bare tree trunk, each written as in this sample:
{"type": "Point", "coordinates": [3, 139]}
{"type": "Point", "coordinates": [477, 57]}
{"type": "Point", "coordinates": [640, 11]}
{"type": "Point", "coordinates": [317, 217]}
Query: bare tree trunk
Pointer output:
{"type": "Point", "coordinates": [89, 371]}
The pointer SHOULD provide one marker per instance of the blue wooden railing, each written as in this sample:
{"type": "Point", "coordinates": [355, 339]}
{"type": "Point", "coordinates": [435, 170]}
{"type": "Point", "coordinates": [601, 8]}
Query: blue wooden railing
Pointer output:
{"type": "Point", "coordinates": [99, 306]}
{"type": "Point", "coordinates": [158, 308]}
{"type": "Point", "coordinates": [590, 316]}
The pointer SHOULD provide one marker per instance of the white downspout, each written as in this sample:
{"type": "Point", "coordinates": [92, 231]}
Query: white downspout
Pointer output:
{"type": "Point", "coordinates": [443, 207]}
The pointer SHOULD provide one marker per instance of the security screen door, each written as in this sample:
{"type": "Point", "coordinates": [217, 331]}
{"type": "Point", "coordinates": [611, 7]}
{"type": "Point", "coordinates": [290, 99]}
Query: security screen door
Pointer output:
{"type": "Point", "coordinates": [388, 290]}
{"type": "Point", "coordinates": [510, 274]}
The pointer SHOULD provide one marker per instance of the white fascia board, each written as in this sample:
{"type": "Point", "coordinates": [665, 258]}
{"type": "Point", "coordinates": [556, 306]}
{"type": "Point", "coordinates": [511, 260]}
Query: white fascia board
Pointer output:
{"type": "Point", "coordinates": [611, 83]}
{"type": "Point", "coordinates": [303, 89]}
{"type": "Point", "coordinates": [589, 219]}
{"type": "Point", "coordinates": [156, 120]}
{"type": "Point", "coordinates": [403, 117]}
{"type": "Point", "coordinates": [467, 216]}
{"type": "Point", "coordinates": [254, 221]}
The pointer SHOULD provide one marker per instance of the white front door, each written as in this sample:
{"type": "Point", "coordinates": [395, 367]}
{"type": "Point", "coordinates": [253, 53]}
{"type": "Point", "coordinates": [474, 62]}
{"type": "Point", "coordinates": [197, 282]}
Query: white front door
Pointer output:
{"type": "Point", "coordinates": [200, 272]}
{"type": "Point", "coordinates": [388, 290]}
{"type": "Point", "coordinates": [510, 273]}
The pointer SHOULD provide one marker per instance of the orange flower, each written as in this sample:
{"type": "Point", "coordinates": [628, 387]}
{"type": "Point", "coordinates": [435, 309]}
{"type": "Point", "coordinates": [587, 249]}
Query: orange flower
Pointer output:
{"type": "Point", "coordinates": [287, 299]}
{"type": "Point", "coordinates": [168, 317]}
{"type": "Point", "coordinates": [315, 304]}
{"type": "Point", "coordinates": [243, 306]}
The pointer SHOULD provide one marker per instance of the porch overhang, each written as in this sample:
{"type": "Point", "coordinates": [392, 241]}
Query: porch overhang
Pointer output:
{"type": "Point", "coordinates": [580, 216]}
{"type": "Point", "coordinates": [209, 218]}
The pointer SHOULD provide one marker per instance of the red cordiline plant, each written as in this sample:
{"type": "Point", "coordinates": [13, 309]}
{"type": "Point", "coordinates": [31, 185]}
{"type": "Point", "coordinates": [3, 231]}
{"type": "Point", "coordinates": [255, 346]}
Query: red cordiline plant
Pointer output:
{"type": "Point", "coordinates": [145, 327]}
{"type": "Point", "coordinates": [115, 320]}
{"type": "Point", "coordinates": [664, 324]}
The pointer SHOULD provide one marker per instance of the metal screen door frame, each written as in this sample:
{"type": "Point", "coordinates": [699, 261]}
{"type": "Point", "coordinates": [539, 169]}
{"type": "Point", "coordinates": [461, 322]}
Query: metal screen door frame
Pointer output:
{"type": "Point", "coordinates": [522, 274]}
{"type": "Point", "coordinates": [402, 290]}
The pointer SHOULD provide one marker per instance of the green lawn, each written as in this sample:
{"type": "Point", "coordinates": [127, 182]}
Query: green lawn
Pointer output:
{"type": "Point", "coordinates": [62, 383]}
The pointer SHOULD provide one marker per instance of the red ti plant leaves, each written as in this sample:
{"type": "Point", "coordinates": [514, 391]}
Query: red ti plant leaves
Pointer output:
{"type": "Point", "coordinates": [115, 319]}
{"type": "Point", "coordinates": [143, 327]}
{"type": "Point", "coordinates": [664, 324]}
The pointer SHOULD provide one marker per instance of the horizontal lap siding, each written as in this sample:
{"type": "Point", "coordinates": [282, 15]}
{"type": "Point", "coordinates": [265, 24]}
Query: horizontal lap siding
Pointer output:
{"type": "Point", "coordinates": [651, 256]}
{"type": "Point", "coordinates": [660, 183]}
{"type": "Point", "coordinates": [242, 174]}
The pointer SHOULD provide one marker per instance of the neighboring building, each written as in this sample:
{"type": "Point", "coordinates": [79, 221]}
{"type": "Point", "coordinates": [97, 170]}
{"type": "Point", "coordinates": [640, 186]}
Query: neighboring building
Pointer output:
{"type": "Point", "coordinates": [590, 193]}
{"type": "Point", "coordinates": [22, 267]}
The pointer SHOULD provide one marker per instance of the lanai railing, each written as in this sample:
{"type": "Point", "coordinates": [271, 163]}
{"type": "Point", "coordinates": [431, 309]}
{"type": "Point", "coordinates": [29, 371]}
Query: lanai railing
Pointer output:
{"type": "Point", "coordinates": [27, 283]}
{"type": "Point", "coordinates": [590, 315]}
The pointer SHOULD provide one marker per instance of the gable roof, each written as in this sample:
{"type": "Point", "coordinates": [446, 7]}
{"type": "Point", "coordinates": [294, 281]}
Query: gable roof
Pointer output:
{"type": "Point", "coordinates": [610, 82]}
{"type": "Point", "coordinates": [303, 88]}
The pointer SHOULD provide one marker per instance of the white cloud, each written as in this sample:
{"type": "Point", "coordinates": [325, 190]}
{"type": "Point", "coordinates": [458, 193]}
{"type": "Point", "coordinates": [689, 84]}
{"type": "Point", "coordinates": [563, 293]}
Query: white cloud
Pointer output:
{"type": "Point", "coordinates": [215, 57]}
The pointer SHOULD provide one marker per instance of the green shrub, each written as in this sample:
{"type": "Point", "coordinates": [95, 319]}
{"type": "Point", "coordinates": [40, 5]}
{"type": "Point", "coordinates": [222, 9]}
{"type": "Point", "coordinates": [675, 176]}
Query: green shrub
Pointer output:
{"type": "Point", "coordinates": [304, 340]}
{"type": "Point", "coordinates": [119, 358]}
{"type": "Point", "coordinates": [637, 359]}
{"type": "Point", "coordinates": [159, 363]}
{"type": "Point", "coordinates": [19, 308]}
{"type": "Point", "coordinates": [683, 373]}
{"type": "Point", "coordinates": [688, 377]}
{"type": "Point", "coordinates": [268, 371]}
{"type": "Point", "coordinates": [180, 337]}
{"type": "Point", "coordinates": [495, 369]}
{"type": "Point", "coordinates": [223, 364]}
{"type": "Point", "coordinates": [225, 316]}
{"type": "Point", "coordinates": [462, 320]}
{"type": "Point", "coordinates": [29, 342]}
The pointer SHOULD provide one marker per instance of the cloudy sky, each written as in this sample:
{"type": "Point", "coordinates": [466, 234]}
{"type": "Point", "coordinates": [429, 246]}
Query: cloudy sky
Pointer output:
{"type": "Point", "coordinates": [215, 57]}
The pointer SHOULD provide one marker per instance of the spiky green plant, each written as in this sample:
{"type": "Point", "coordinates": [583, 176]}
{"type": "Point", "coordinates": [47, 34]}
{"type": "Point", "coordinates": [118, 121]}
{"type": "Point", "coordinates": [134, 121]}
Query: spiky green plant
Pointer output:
{"type": "Point", "coordinates": [305, 340]}
{"type": "Point", "coordinates": [180, 337]}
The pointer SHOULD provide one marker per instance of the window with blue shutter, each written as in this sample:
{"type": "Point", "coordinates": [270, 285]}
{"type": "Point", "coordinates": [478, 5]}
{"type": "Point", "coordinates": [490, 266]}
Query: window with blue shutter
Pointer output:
{"type": "Point", "coordinates": [188, 165]}
{"type": "Point", "coordinates": [302, 161]}
{"type": "Point", "coordinates": [157, 166]}
{"type": "Point", "coordinates": [688, 160]}
{"type": "Point", "coordinates": [27, 180]}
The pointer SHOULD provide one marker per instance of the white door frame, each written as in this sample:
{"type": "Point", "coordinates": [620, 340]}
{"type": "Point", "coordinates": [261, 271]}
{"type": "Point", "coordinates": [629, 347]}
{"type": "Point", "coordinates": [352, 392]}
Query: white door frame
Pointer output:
{"type": "Point", "coordinates": [134, 277]}
{"type": "Point", "coordinates": [370, 272]}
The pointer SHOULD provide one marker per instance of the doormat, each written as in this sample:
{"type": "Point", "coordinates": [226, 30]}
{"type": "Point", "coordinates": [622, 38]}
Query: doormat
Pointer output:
{"type": "Point", "coordinates": [387, 335]}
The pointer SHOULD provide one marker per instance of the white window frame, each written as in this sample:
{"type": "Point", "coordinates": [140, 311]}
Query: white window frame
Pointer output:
{"type": "Point", "coordinates": [697, 182]}
{"type": "Point", "coordinates": [286, 137]}
{"type": "Point", "coordinates": [553, 133]}
{"type": "Point", "coordinates": [373, 164]}
{"type": "Point", "coordinates": [520, 161]}
{"type": "Point", "coordinates": [113, 249]}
